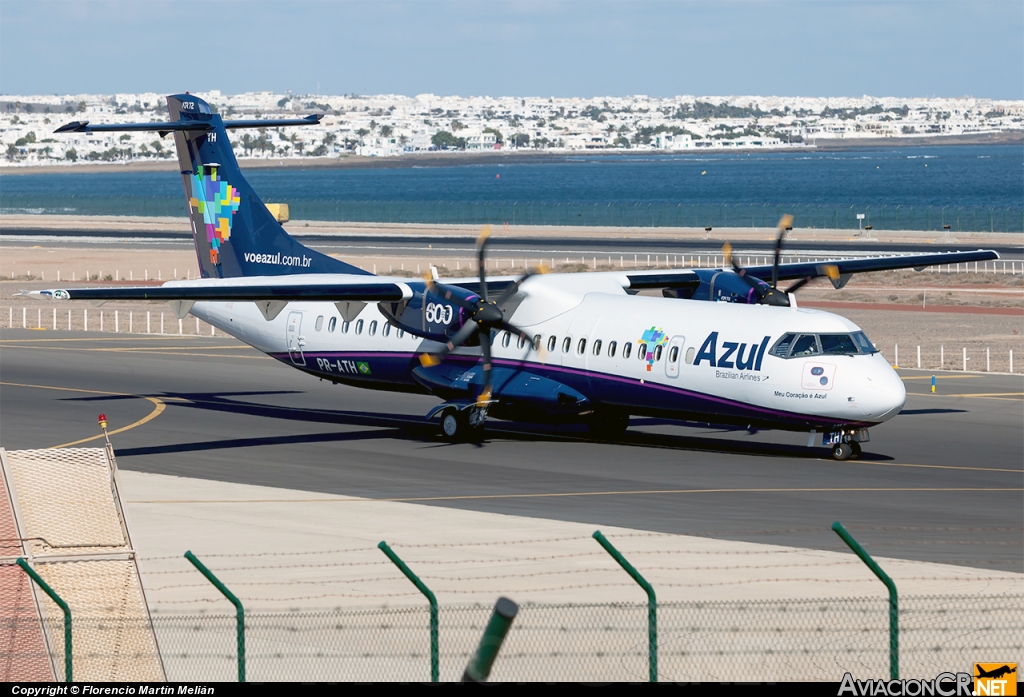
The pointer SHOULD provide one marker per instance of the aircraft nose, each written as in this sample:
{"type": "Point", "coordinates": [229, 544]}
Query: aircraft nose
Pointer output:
{"type": "Point", "coordinates": [888, 393]}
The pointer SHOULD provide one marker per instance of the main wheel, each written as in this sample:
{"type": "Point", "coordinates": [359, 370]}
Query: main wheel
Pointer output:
{"type": "Point", "coordinates": [459, 425]}
{"type": "Point", "coordinates": [841, 451]}
{"type": "Point", "coordinates": [856, 448]}
{"type": "Point", "coordinates": [453, 424]}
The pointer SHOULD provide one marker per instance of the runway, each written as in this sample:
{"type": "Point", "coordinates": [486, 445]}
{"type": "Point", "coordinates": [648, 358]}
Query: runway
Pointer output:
{"type": "Point", "coordinates": [943, 482]}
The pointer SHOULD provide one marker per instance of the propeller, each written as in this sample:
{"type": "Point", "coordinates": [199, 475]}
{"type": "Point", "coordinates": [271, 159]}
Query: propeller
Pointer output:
{"type": "Point", "coordinates": [484, 316]}
{"type": "Point", "coordinates": [771, 294]}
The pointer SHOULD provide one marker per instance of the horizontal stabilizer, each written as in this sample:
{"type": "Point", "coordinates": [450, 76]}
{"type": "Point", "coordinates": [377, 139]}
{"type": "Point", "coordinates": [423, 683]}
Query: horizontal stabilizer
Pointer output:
{"type": "Point", "coordinates": [185, 125]}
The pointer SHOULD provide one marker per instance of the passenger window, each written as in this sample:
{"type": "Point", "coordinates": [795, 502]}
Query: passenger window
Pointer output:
{"type": "Point", "coordinates": [597, 347]}
{"type": "Point", "coordinates": [837, 345]}
{"type": "Point", "coordinates": [657, 352]}
{"type": "Point", "coordinates": [359, 327]}
{"type": "Point", "coordinates": [552, 340]}
{"type": "Point", "coordinates": [673, 355]}
{"type": "Point", "coordinates": [581, 347]}
{"type": "Point", "coordinates": [401, 333]}
{"type": "Point", "coordinates": [373, 328]}
{"type": "Point", "coordinates": [690, 353]}
{"type": "Point", "coordinates": [806, 345]}
{"type": "Point", "coordinates": [319, 322]}
{"type": "Point", "coordinates": [332, 324]}
{"type": "Point", "coordinates": [627, 348]}
{"type": "Point", "coordinates": [386, 331]}
{"type": "Point", "coordinates": [506, 339]}
{"type": "Point", "coordinates": [566, 344]}
{"type": "Point", "coordinates": [611, 348]}
{"type": "Point", "coordinates": [641, 351]}
{"type": "Point", "coordinates": [522, 341]}
{"type": "Point", "coordinates": [344, 328]}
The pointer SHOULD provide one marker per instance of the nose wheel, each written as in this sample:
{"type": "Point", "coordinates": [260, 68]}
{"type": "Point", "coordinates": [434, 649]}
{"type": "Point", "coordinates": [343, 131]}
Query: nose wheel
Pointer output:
{"type": "Point", "coordinates": [845, 451]}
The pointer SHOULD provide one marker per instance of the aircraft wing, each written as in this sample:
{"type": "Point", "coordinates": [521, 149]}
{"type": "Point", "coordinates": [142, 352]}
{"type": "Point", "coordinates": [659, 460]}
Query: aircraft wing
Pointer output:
{"type": "Point", "coordinates": [332, 288]}
{"type": "Point", "coordinates": [852, 266]}
{"type": "Point", "coordinates": [639, 280]}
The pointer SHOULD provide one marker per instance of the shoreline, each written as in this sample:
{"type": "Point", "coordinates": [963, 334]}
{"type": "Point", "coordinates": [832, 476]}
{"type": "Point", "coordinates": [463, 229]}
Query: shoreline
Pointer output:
{"type": "Point", "coordinates": [456, 158]}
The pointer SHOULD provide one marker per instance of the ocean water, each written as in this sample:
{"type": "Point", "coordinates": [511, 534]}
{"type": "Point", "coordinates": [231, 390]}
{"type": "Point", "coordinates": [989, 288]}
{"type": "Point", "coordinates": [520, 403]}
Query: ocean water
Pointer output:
{"type": "Point", "coordinates": [967, 187]}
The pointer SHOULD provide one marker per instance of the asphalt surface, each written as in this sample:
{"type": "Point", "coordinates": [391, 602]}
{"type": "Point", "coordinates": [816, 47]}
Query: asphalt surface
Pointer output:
{"type": "Point", "coordinates": [350, 243]}
{"type": "Point", "coordinates": [943, 482]}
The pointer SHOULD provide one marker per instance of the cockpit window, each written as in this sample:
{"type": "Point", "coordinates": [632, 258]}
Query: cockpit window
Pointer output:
{"type": "Point", "coordinates": [864, 344]}
{"type": "Point", "coordinates": [806, 345]}
{"type": "Point", "coordinates": [837, 345]}
{"type": "Point", "coordinates": [796, 345]}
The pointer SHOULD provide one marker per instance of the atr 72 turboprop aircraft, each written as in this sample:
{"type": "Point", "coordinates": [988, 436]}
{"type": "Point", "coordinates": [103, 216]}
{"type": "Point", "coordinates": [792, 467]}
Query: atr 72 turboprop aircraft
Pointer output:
{"type": "Point", "coordinates": [722, 346]}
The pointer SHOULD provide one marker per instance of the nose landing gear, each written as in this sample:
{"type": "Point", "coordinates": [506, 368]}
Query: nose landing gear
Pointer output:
{"type": "Point", "coordinates": [845, 443]}
{"type": "Point", "coordinates": [845, 451]}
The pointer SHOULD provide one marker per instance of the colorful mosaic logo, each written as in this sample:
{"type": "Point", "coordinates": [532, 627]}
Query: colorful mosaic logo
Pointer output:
{"type": "Point", "coordinates": [217, 201]}
{"type": "Point", "coordinates": [653, 337]}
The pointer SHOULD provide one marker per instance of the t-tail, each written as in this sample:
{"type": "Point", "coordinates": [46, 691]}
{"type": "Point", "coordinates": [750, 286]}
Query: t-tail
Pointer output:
{"type": "Point", "coordinates": [235, 235]}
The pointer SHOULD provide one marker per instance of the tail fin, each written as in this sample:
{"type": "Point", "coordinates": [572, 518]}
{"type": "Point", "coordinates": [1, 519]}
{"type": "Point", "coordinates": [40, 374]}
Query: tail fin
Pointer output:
{"type": "Point", "coordinates": [235, 235]}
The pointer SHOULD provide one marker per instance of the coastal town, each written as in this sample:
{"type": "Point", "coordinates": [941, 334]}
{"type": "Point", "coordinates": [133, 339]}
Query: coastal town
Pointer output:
{"type": "Point", "coordinates": [395, 126]}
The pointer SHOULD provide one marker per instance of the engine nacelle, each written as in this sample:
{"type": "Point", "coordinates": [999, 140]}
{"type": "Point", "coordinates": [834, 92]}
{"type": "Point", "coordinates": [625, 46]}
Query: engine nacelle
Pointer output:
{"type": "Point", "coordinates": [718, 285]}
{"type": "Point", "coordinates": [428, 313]}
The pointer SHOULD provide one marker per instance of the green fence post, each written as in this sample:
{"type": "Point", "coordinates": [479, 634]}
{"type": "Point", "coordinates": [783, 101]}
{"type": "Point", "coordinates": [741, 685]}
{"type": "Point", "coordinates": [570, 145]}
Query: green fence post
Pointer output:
{"type": "Point", "coordinates": [652, 605]}
{"type": "Point", "coordinates": [479, 667]}
{"type": "Point", "coordinates": [422, 587]}
{"type": "Point", "coordinates": [63, 606]}
{"type": "Point", "coordinates": [894, 611]}
{"type": "Point", "coordinates": [239, 610]}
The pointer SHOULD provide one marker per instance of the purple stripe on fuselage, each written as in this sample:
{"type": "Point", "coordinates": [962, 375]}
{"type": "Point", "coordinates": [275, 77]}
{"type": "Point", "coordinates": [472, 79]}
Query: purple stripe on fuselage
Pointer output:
{"type": "Point", "coordinates": [546, 370]}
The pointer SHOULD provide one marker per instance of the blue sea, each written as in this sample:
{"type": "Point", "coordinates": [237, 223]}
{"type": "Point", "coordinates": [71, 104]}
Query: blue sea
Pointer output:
{"type": "Point", "coordinates": [925, 187]}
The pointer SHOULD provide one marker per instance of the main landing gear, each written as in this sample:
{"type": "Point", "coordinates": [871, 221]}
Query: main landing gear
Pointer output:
{"type": "Point", "coordinates": [463, 425]}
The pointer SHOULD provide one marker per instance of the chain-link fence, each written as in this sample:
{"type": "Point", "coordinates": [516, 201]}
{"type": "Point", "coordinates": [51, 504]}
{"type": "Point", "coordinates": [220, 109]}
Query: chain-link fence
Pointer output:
{"type": "Point", "coordinates": [768, 640]}
{"type": "Point", "coordinates": [561, 213]}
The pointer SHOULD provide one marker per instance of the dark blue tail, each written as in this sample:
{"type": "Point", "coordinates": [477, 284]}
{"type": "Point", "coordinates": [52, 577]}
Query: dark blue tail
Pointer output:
{"type": "Point", "coordinates": [235, 234]}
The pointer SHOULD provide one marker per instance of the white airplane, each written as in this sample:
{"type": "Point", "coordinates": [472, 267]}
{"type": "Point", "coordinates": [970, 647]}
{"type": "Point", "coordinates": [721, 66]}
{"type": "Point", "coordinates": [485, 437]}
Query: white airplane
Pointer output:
{"type": "Point", "coordinates": [721, 346]}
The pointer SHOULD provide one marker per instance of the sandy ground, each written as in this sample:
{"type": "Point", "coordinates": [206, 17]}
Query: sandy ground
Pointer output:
{"type": "Point", "coordinates": [942, 336]}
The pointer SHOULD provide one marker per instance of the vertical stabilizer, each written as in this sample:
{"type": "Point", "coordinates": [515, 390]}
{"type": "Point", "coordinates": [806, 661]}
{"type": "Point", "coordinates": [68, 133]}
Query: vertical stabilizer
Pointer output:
{"type": "Point", "coordinates": [235, 234]}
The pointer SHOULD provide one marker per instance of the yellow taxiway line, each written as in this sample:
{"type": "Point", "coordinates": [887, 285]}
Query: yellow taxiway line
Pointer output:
{"type": "Point", "coordinates": [158, 409]}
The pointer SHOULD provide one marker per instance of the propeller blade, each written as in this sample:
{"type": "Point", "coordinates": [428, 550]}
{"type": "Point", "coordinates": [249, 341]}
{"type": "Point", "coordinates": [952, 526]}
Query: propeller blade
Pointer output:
{"type": "Point", "coordinates": [485, 343]}
{"type": "Point", "coordinates": [514, 288]}
{"type": "Point", "coordinates": [799, 284]}
{"type": "Point", "coordinates": [429, 360]}
{"type": "Point", "coordinates": [830, 270]}
{"type": "Point", "coordinates": [481, 258]}
{"type": "Point", "coordinates": [739, 270]}
{"type": "Point", "coordinates": [785, 222]}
